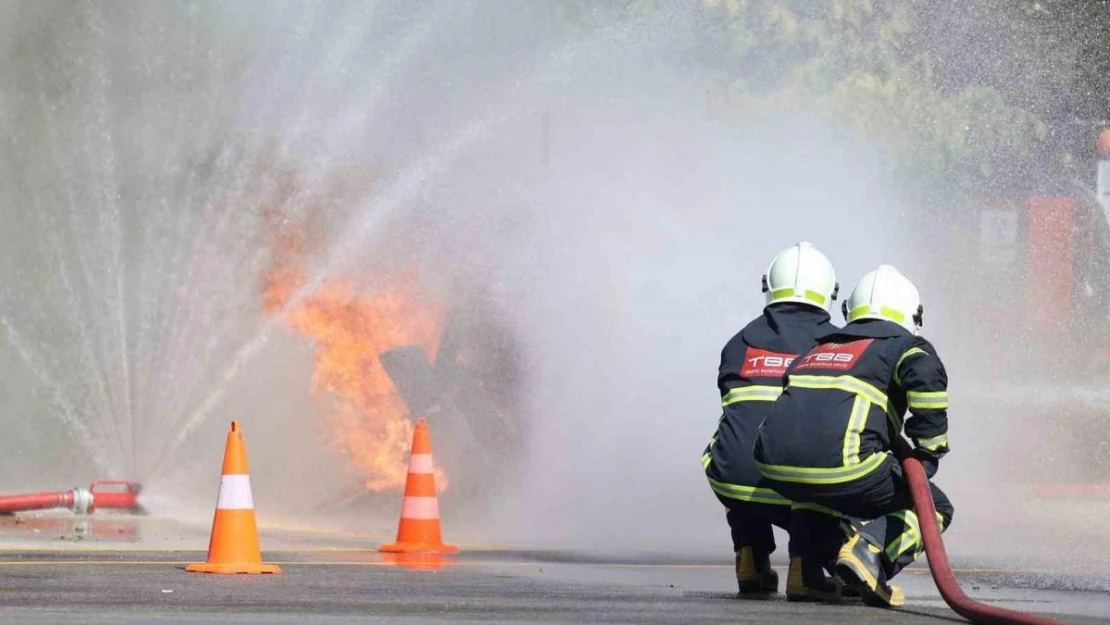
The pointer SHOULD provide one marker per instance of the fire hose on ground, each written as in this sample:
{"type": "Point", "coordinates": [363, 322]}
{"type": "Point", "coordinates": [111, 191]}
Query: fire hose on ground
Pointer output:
{"type": "Point", "coordinates": [100, 495]}
{"type": "Point", "coordinates": [949, 587]}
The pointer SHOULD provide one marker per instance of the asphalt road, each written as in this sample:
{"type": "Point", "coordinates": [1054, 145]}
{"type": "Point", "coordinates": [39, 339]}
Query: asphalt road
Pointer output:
{"type": "Point", "coordinates": [324, 585]}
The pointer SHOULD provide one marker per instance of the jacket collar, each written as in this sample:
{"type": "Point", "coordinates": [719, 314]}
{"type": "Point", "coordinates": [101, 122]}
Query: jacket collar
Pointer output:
{"type": "Point", "coordinates": [874, 328]}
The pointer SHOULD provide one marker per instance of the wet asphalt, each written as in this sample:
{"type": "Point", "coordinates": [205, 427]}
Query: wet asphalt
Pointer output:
{"type": "Point", "coordinates": [359, 586]}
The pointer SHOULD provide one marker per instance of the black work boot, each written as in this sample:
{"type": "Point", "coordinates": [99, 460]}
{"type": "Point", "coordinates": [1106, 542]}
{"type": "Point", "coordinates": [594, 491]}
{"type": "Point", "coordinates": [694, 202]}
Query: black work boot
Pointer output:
{"type": "Point", "coordinates": [847, 592]}
{"type": "Point", "coordinates": [850, 528]}
{"type": "Point", "coordinates": [754, 573]}
{"type": "Point", "coordinates": [806, 581]}
{"type": "Point", "coordinates": [860, 565]}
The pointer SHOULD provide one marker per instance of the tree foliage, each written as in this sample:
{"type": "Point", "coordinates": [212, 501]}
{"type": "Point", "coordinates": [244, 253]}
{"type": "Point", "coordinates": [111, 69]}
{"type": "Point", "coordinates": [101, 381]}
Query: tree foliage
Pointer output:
{"type": "Point", "coordinates": [976, 94]}
{"type": "Point", "coordinates": [856, 59]}
{"type": "Point", "coordinates": [1050, 58]}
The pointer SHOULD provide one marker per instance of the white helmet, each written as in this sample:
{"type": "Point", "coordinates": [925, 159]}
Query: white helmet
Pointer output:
{"type": "Point", "coordinates": [885, 294]}
{"type": "Point", "coordinates": [802, 274]}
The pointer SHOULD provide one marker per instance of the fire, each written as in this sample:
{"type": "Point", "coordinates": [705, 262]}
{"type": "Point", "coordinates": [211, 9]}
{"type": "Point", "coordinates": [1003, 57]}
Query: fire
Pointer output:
{"type": "Point", "coordinates": [367, 422]}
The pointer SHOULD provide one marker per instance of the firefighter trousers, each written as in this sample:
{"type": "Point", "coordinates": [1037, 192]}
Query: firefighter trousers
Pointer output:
{"type": "Point", "coordinates": [750, 524]}
{"type": "Point", "coordinates": [882, 496]}
{"type": "Point", "coordinates": [813, 532]}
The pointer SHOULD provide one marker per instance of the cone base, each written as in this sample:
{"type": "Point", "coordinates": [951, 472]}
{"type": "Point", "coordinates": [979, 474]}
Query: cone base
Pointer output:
{"type": "Point", "coordinates": [231, 569]}
{"type": "Point", "coordinates": [418, 548]}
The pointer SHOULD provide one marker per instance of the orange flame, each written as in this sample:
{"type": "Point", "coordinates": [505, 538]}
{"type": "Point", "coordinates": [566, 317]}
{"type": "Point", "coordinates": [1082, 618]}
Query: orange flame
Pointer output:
{"type": "Point", "coordinates": [368, 423]}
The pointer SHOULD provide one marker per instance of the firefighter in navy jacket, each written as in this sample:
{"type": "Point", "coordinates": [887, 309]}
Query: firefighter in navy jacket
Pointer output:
{"type": "Point", "coordinates": [828, 438]}
{"type": "Point", "coordinates": [800, 286]}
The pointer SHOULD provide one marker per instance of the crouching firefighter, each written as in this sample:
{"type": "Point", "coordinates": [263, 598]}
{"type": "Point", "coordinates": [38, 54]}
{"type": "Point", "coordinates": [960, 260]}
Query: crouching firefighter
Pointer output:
{"type": "Point", "coordinates": [828, 439]}
{"type": "Point", "coordinates": [800, 286]}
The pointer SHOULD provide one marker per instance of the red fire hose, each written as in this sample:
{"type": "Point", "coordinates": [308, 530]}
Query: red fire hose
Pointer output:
{"type": "Point", "coordinates": [974, 611]}
{"type": "Point", "coordinates": [114, 494]}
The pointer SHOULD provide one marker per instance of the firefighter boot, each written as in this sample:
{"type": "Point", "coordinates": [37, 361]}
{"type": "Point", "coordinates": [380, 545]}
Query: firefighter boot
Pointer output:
{"type": "Point", "coordinates": [846, 591]}
{"type": "Point", "coordinates": [850, 527]}
{"type": "Point", "coordinates": [806, 581]}
{"type": "Point", "coordinates": [860, 565]}
{"type": "Point", "coordinates": [754, 573]}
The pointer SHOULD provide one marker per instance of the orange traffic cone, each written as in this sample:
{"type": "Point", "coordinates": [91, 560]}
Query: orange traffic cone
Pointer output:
{"type": "Point", "coordinates": [418, 530]}
{"type": "Point", "coordinates": [233, 547]}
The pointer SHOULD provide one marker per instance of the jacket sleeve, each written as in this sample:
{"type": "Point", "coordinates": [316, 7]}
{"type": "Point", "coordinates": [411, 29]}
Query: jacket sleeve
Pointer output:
{"type": "Point", "coordinates": [920, 373]}
{"type": "Point", "coordinates": [728, 373]}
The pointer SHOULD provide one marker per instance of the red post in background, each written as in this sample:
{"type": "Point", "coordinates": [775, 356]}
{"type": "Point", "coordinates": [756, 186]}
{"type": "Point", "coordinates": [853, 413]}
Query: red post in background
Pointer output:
{"type": "Point", "coordinates": [998, 247]}
{"type": "Point", "coordinates": [1049, 256]}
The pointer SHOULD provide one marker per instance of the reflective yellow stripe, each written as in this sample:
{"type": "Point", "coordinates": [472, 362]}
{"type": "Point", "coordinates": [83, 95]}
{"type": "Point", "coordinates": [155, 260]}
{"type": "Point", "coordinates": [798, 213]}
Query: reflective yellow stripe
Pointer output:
{"type": "Point", "coordinates": [932, 444]}
{"type": "Point", "coordinates": [822, 475]}
{"type": "Point", "coordinates": [885, 312]}
{"type": "Point", "coordinates": [856, 421]}
{"type": "Point", "coordinates": [845, 383]}
{"type": "Point", "coordinates": [910, 538]}
{"type": "Point", "coordinates": [913, 351]}
{"type": "Point", "coordinates": [751, 393]}
{"type": "Point", "coordinates": [812, 296]}
{"type": "Point", "coordinates": [892, 314]}
{"type": "Point", "coordinates": [857, 311]}
{"type": "Point", "coordinates": [815, 508]}
{"type": "Point", "coordinates": [941, 522]}
{"type": "Point", "coordinates": [748, 493]}
{"type": "Point", "coordinates": [786, 292]}
{"type": "Point", "coordinates": [927, 400]}
{"type": "Point", "coordinates": [893, 416]}
{"type": "Point", "coordinates": [706, 457]}
{"type": "Point", "coordinates": [851, 384]}
{"type": "Point", "coordinates": [853, 468]}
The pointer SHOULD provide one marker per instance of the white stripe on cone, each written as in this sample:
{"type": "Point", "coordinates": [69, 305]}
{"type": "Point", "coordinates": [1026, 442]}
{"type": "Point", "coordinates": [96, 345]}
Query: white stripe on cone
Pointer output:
{"type": "Point", "coordinates": [420, 508]}
{"type": "Point", "coordinates": [235, 493]}
{"type": "Point", "coordinates": [421, 463]}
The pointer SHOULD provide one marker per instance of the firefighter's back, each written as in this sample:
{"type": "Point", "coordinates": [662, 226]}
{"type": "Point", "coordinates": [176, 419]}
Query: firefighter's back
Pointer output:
{"type": "Point", "coordinates": [840, 408]}
{"type": "Point", "coordinates": [750, 378]}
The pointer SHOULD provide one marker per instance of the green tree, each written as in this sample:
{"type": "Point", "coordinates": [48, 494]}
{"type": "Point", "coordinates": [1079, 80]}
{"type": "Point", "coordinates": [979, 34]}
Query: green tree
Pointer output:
{"type": "Point", "coordinates": [981, 94]}
{"type": "Point", "coordinates": [1048, 57]}
{"type": "Point", "coordinates": [857, 60]}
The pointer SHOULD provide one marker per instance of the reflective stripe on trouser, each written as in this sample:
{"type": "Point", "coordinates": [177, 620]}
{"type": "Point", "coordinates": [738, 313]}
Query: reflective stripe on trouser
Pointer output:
{"type": "Point", "coordinates": [754, 494]}
{"type": "Point", "coordinates": [881, 495]}
{"type": "Point", "coordinates": [813, 507]}
{"type": "Point", "coordinates": [900, 534]}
